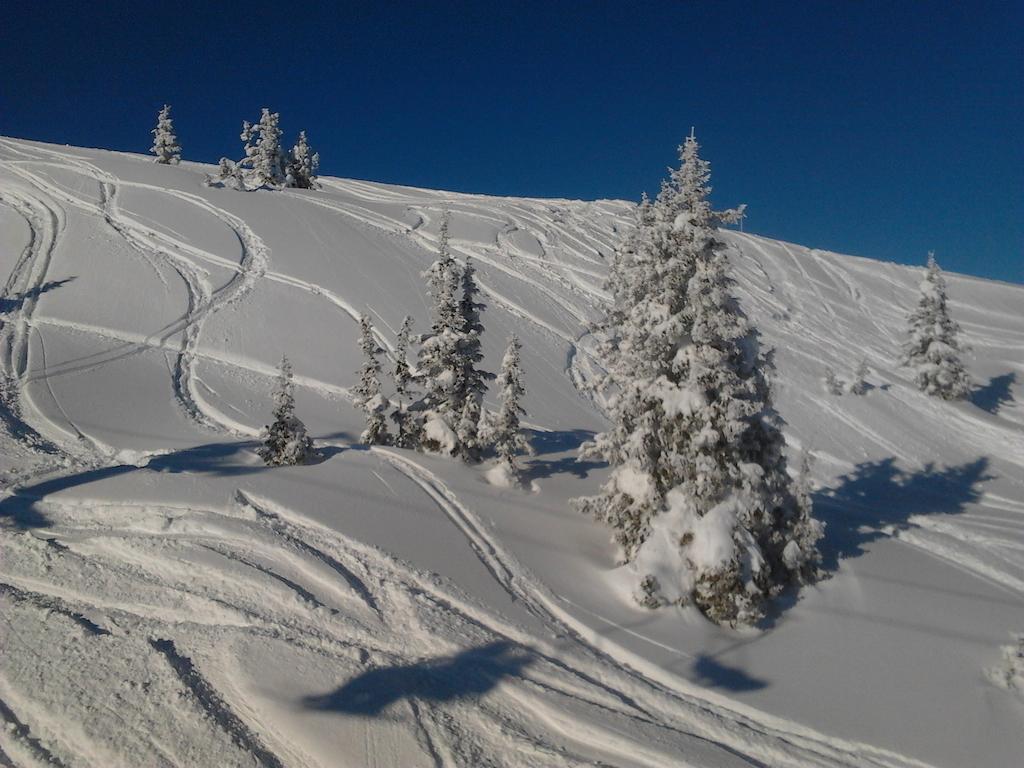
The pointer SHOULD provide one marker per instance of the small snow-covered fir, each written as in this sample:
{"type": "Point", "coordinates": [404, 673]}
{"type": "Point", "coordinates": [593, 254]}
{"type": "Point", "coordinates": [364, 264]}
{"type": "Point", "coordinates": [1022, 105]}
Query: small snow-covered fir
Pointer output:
{"type": "Point", "coordinates": [368, 391]}
{"type": "Point", "coordinates": [165, 143]}
{"type": "Point", "coordinates": [502, 429]}
{"type": "Point", "coordinates": [285, 440]}
{"type": "Point", "coordinates": [933, 349]}
{"type": "Point", "coordinates": [302, 165]}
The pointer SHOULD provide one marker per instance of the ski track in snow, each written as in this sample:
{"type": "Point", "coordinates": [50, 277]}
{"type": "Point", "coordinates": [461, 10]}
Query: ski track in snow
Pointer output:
{"type": "Point", "coordinates": [105, 562]}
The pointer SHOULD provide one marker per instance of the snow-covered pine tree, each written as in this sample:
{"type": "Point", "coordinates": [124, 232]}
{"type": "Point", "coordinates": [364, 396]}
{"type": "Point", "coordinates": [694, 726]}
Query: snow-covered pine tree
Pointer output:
{"type": "Point", "coordinates": [439, 366]}
{"type": "Point", "coordinates": [699, 496]}
{"type": "Point", "coordinates": [470, 384]}
{"type": "Point", "coordinates": [285, 441]}
{"type": "Point", "coordinates": [502, 429]}
{"type": "Point", "coordinates": [643, 328]}
{"type": "Point", "coordinates": [933, 350]}
{"type": "Point", "coordinates": [859, 385]}
{"type": "Point", "coordinates": [263, 153]}
{"type": "Point", "coordinates": [832, 384]}
{"type": "Point", "coordinates": [367, 391]}
{"type": "Point", "coordinates": [165, 143]}
{"type": "Point", "coordinates": [302, 165]}
{"type": "Point", "coordinates": [406, 434]}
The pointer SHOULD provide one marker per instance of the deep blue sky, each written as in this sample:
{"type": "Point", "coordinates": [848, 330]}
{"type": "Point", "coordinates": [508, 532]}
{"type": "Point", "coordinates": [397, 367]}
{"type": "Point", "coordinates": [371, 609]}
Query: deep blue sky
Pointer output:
{"type": "Point", "coordinates": [881, 129]}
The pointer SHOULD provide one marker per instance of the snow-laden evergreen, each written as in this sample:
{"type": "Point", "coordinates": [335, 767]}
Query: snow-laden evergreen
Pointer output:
{"type": "Point", "coordinates": [285, 440]}
{"type": "Point", "coordinates": [367, 392]}
{"type": "Point", "coordinates": [302, 165]}
{"type": "Point", "coordinates": [698, 497]}
{"type": "Point", "coordinates": [439, 365]}
{"type": "Point", "coordinates": [502, 429]}
{"type": "Point", "coordinates": [859, 384]}
{"type": "Point", "coordinates": [263, 153]}
{"type": "Point", "coordinates": [165, 143]}
{"type": "Point", "coordinates": [933, 350]}
{"type": "Point", "coordinates": [644, 327]}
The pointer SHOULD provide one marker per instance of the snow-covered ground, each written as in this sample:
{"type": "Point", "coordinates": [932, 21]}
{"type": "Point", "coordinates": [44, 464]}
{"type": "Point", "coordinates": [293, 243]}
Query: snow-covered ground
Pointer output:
{"type": "Point", "coordinates": [165, 600]}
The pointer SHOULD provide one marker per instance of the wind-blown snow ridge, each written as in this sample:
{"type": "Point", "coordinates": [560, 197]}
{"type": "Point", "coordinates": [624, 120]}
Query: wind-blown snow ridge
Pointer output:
{"type": "Point", "coordinates": [395, 608]}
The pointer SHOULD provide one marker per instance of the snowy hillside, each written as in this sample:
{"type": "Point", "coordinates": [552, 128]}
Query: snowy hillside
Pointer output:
{"type": "Point", "coordinates": [165, 599]}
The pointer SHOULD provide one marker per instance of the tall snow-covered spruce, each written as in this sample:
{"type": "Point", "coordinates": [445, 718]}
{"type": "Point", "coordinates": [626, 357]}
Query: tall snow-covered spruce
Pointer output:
{"type": "Point", "coordinates": [285, 441]}
{"type": "Point", "coordinates": [439, 366]}
{"type": "Point", "coordinates": [933, 350]}
{"type": "Point", "coordinates": [698, 497]}
{"type": "Point", "coordinates": [502, 429]}
{"type": "Point", "coordinates": [165, 143]}
{"type": "Point", "coordinates": [471, 381]}
{"type": "Point", "coordinates": [367, 391]}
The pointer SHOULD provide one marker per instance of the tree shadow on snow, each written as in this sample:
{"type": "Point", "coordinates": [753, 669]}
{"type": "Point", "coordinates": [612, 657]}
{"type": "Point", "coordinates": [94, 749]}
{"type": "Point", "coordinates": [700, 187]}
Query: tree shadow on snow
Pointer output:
{"type": "Point", "coordinates": [879, 498]}
{"type": "Point", "coordinates": [216, 459]}
{"type": "Point", "coordinates": [15, 300]}
{"type": "Point", "coordinates": [545, 443]}
{"type": "Point", "coordinates": [713, 674]}
{"type": "Point", "coordinates": [467, 674]}
{"type": "Point", "coordinates": [997, 393]}
{"type": "Point", "coordinates": [549, 443]}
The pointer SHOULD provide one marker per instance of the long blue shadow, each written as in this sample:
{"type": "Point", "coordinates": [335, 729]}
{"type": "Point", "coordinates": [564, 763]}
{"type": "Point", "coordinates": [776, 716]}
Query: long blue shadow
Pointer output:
{"type": "Point", "coordinates": [878, 496]}
{"type": "Point", "coordinates": [467, 674]}
{"type": "Point", "coordinates": [997, 393]}
{"type": "Point", "coordinates": [217, 459]}
{"type": "Point", "coordinates": [714, 674]}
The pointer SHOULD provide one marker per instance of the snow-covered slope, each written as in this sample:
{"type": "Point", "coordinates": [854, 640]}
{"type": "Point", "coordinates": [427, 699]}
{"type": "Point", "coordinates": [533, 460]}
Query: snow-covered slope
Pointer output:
{"type": "Point", "coordinates": [167, 600]}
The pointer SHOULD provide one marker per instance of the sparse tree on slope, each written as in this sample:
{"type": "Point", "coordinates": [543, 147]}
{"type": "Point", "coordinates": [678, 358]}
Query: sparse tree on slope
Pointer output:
{"type": "Point", "coordinates": [367, 392]}
{"type": "Point", "coordinates": [859, 385]}
{"type": "Point", "coordinates": [698, 496]}
{"type": "Point", "coordinates": [502, 429]}
{"type": "Point", "coordinates": [302, 165]}
{"type": "Point", "coordinates": [832, 384]}
{"type": "Point", "coordinates": [165, 143]}
{"type": "Point", "coordinates": [933, 350]}
{"type": "Point", "coordinates": [285, 441]}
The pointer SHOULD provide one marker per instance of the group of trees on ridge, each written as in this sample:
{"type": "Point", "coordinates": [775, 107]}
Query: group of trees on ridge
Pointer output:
{"type": "Point", "coordinates": [265, 162]}
{"type": "Point", "coordinates": [699, 496]}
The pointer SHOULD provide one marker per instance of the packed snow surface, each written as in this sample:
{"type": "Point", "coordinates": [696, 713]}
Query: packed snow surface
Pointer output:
{"type": "Point", "coordinates": [165, 599]}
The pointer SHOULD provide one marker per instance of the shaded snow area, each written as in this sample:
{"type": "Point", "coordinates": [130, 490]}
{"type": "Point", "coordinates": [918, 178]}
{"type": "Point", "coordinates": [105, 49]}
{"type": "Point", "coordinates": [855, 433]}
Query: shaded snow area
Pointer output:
{"type": "Point", "coordinates": [166, 600]}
